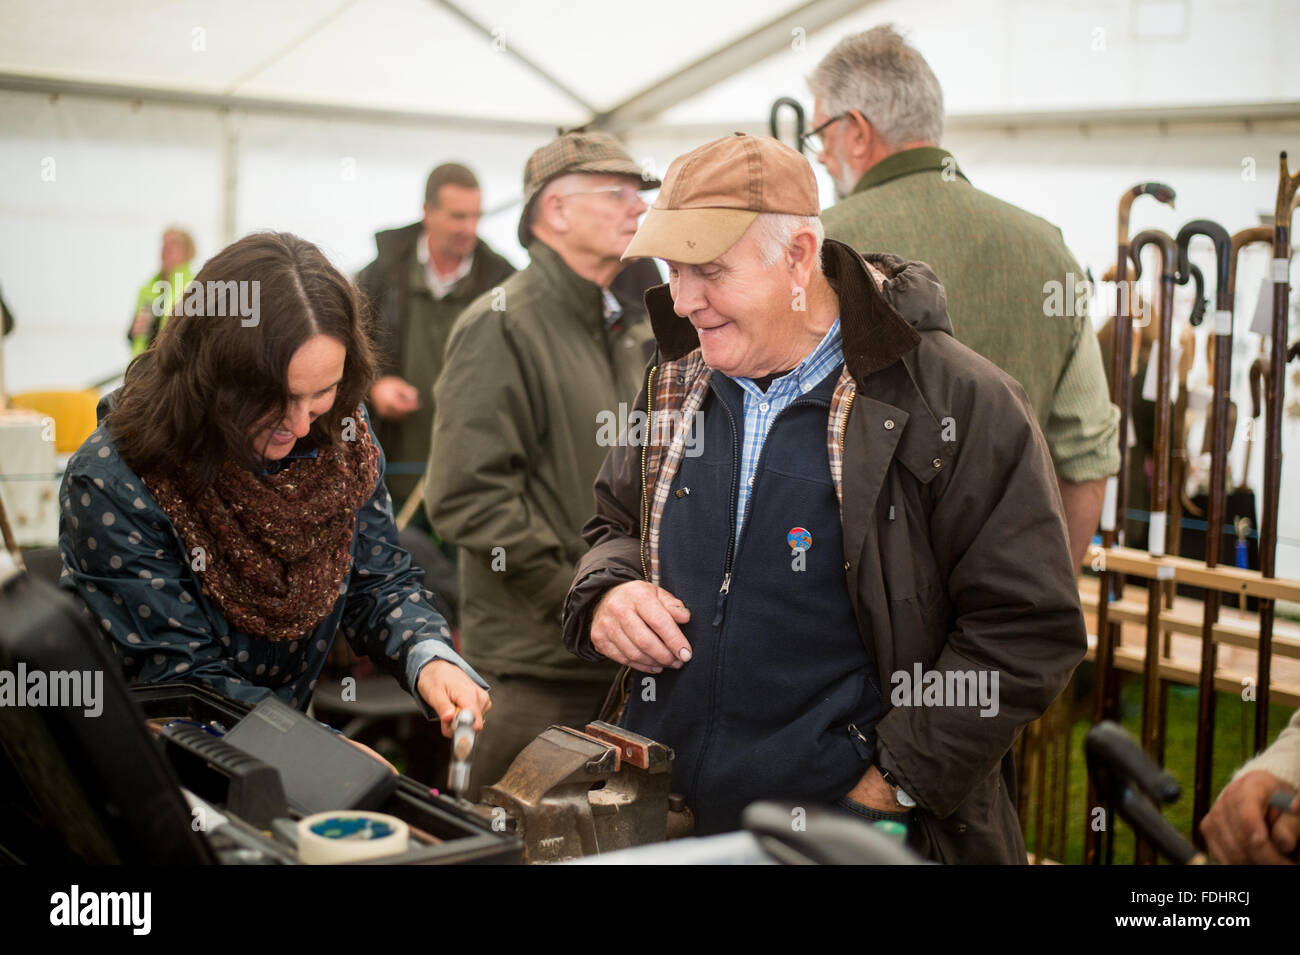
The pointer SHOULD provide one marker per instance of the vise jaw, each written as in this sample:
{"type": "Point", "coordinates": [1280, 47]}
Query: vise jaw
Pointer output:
{"type": "Point", "coordinates": [574, 793]}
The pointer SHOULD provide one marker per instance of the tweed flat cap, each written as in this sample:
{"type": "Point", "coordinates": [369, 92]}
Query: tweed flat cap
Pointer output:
{"type": "Point", "coordinates": [594, 152]}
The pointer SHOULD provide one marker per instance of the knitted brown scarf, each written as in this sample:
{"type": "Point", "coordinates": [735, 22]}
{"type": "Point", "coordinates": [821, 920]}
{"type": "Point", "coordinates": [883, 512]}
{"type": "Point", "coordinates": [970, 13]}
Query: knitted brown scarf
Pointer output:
{"type": "Point", "coordinates": [275, 547]}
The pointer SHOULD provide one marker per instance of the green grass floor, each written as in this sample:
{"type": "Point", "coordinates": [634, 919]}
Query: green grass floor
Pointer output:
{"type": "Point", "coordinates": [1234, 726]}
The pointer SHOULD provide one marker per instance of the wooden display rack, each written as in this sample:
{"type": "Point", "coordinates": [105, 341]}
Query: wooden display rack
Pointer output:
{"type": "Point", "coordinates": [1237, 631]}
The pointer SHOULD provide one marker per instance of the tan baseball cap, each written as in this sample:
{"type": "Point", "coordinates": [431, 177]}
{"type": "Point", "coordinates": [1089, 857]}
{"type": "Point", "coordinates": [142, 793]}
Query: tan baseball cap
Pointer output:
{"type": "Point", "coordinates": [712, 194]}
{"type": "Point", "coordinates": [594, 152]}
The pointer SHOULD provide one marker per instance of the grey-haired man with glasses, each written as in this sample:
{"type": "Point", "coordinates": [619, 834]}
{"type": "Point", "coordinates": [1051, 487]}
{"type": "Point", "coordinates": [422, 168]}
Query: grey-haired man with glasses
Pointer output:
{"type": "Point", "coordinates": [877, 123]}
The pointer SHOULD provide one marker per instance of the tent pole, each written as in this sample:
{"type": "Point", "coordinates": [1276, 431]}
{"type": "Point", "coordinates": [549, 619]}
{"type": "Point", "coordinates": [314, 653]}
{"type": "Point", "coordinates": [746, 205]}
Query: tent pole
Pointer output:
{"type": "Point", "coordinates": [229, 177]}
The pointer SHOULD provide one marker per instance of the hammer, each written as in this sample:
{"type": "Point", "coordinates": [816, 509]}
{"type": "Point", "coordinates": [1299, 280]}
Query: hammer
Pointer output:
{"type": "Point", "coordinates": [462, 751]}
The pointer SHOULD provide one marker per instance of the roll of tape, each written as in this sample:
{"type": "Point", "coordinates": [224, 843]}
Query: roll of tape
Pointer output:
{"type": "Point", "coordinates": [352, 835]}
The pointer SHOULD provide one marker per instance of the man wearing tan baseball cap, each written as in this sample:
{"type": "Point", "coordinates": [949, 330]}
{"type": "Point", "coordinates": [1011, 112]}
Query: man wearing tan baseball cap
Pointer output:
{"type": "Point", "coordinates": [871, 513]}
{"type": "Point", "coordinates": [530, 368]}
{"type": "Point", "coordinates": [713, 194]}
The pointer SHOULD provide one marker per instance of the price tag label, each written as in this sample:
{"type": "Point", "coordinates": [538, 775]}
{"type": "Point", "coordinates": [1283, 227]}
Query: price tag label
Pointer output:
{"type": "Point", "coordinates": [1261, 323]}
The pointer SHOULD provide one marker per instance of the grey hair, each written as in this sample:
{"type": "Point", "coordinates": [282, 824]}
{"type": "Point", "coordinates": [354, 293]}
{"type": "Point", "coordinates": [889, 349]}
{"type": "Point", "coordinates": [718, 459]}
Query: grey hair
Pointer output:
{"type": "Point", "coordinates": [557, 186]}
{"type": "Point", "coordinates": [887, 81]}
{"type": "Point", "coordinates": [775, 230]}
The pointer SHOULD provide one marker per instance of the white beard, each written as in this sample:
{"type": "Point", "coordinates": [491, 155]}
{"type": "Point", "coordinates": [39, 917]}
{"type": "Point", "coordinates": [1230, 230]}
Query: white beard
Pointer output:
{"type": "Point", "coordinates": [845, 181]}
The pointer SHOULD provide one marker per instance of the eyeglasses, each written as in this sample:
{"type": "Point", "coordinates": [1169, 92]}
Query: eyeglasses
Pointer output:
{"type": "Point", "coordinates": [813, 140]}
{"type": "Point", "coordinates": [625, 194]}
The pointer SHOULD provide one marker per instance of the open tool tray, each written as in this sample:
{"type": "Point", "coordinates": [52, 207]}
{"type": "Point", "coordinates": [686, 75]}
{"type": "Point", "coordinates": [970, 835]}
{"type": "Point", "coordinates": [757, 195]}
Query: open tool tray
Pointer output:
{"type": "Point", "coordinates": [83, 780]}
{"type": "Point", "coordinates": [463, 836]}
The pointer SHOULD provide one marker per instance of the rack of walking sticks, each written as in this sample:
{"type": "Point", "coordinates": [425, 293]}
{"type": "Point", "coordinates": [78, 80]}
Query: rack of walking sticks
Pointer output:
{"type": "Point", "coordinates": [1161, 570]}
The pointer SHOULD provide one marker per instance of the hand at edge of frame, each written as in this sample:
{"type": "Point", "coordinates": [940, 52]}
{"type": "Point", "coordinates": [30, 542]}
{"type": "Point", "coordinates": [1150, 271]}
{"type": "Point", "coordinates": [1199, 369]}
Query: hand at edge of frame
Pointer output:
{"type": "Point", "coordinates": [1236, 828]}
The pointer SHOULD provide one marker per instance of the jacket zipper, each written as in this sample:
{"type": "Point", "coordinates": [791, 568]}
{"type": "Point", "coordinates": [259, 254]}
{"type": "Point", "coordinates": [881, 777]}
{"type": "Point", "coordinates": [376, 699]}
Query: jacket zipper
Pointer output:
{"type": "Point", "coordinates": [731, 519]}
{"type": "Point", "coordinates": [732, 544]}
{"type": "Point", "coordinates": [645, 447]}
{"type": "Point", "coordinates": [722, 597]}
{"type": "Point", "coordinates": [844, 426]}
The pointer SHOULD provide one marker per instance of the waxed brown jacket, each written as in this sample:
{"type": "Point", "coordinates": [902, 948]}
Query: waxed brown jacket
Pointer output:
{"type": "Point", "coordinates": [955, 550]}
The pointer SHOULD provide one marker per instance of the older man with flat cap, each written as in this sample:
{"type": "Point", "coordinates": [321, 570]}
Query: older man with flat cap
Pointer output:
{"type": "Point", "coordinates": [531, 370]}
{"type": "Point", "coordinates": [856, 589]}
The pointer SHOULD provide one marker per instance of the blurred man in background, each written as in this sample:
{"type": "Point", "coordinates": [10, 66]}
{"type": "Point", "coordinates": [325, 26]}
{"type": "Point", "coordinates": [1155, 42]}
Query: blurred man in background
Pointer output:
{"type": "Point", "coordinates": [877, 122]}
{"type": "Point", "coordinates": [422, 279]}
{"type": "Point", "coordinates": [530, 374]}
{"type": "Point", "coordinates": [154, 302]}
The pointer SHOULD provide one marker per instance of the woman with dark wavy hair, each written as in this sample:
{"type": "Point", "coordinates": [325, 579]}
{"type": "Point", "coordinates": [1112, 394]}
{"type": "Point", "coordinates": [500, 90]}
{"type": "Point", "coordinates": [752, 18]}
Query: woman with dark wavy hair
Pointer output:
{"type": "Point", "coordinates": [229, 516]}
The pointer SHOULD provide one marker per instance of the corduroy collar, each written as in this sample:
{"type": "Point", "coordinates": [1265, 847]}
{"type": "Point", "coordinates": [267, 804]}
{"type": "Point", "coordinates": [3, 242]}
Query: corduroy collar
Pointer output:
{"type": "Point", "coordinates": [906, 162]}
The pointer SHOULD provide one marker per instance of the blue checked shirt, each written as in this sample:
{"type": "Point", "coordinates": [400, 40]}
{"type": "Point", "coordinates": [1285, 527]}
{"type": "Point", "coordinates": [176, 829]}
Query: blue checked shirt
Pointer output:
{"type": "Point", "coordinates": [761, 408]}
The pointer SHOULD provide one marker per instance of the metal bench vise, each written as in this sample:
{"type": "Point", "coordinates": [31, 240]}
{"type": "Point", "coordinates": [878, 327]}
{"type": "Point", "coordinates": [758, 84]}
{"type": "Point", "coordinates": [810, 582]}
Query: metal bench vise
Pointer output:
{"type": "Point", "coordinates": [574, 793]}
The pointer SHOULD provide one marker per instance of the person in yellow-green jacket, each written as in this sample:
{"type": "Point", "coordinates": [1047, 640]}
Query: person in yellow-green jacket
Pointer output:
{"type": "Point", "coordinates": [154, 302]}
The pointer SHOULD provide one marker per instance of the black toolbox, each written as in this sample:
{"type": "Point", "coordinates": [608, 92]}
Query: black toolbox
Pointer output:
{"type": "Point", "coordinates": [93, 783]}
{"type": "Point", "coordinates": [463, 835]}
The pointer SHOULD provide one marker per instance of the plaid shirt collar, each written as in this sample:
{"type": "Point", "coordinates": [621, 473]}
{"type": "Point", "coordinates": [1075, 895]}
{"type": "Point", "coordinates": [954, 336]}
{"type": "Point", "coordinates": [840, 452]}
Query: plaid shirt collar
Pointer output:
{"type": "Point", "coordinates": [820, 362]}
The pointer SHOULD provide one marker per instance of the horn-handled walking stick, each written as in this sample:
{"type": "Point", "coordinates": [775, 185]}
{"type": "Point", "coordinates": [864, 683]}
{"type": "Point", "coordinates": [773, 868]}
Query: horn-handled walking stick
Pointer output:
{"type": "Point", "coordinates": [1288, 197]}
{"type": "Point", "coordinates": [1218, 423]}
{"type": "Point", "coordinates": [1120, 378]}
{"type": "Point", "coordinates": [1114, 507]}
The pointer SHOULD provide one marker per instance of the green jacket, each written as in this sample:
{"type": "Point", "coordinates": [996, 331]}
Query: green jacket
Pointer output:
{"type": "Point", "coordinates": [531, 392]}
{"type": "Point", "coordinates": [411, 329]}
{"type": "Point", "coordinates": [995, 262]}
{"type": "Point", "coordinates": [158, 295]}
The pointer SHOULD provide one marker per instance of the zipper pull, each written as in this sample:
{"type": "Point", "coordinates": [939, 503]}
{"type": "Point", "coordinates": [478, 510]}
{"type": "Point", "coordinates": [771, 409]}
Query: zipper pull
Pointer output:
{"type": "Point", "coordinates": [722, 599]}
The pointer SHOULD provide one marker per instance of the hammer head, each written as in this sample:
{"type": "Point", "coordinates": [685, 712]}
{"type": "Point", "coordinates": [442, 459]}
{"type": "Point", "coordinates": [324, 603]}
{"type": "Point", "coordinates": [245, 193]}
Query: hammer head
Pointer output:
{"type": "Point", "coordinates": [462, 751]}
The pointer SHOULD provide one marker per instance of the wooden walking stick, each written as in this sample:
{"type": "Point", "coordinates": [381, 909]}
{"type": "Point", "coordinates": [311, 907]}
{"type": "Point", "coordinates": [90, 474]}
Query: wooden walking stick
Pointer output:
{"type": "Point", "coordinates": [1178, 449]}
{"type": "Point", "coordinates": [1153, 689]}
{"type": "Point", "coordinates": [1258, 371]}
{"type": "Point", "coordinates": [1114, 509]}
{"type": "Point", "coordinates": [1163, 359]}
{"type": "Point", "coordinates": [1105, 695]}
{"type": "Point", "coordinates": [1178, 499]}
{"type": "Point", "coordinates": [1120, 379]}
{"type": "Point", "coordinates": [1218, 425]}
{"type": "Point", "coordinates": [1288, 197]}
{"type": "Point", "coordinates": [1255, 235]}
